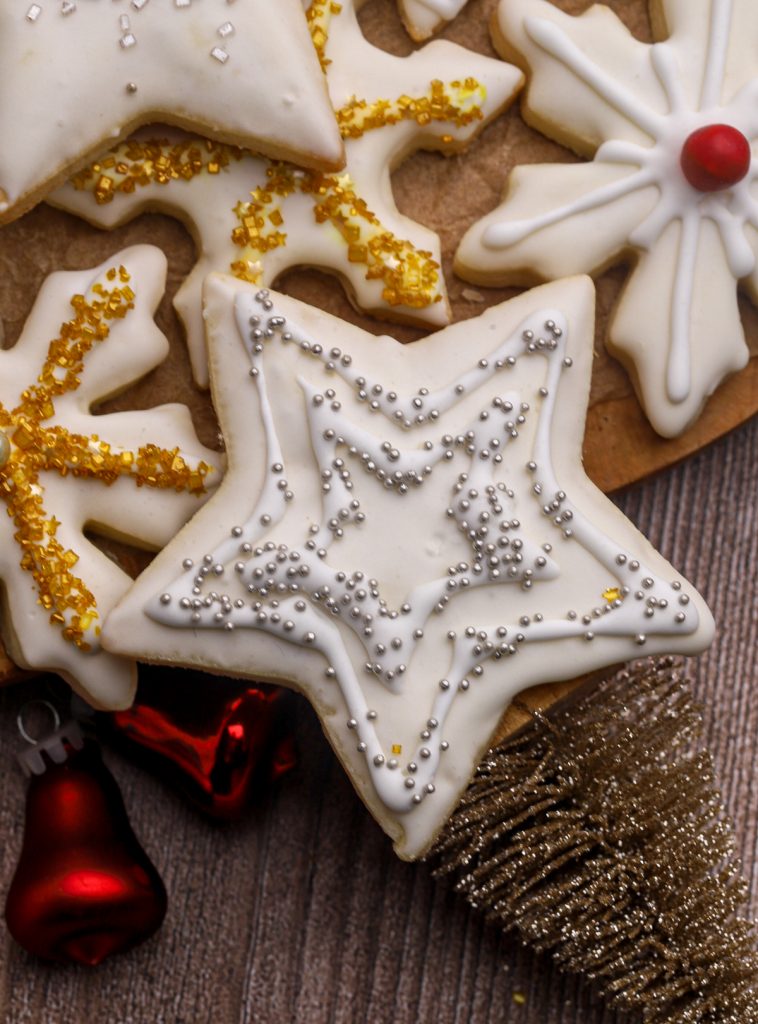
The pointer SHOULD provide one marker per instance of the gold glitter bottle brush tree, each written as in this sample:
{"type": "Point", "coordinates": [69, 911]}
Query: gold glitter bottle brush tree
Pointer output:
{"type": "Point", "coordinates": [597, 834]}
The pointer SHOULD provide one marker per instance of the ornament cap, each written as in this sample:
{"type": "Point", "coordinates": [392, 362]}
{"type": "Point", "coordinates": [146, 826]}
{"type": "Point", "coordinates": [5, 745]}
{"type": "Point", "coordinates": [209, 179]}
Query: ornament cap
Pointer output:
{"type": "Point", "coordinates": [56, 745]}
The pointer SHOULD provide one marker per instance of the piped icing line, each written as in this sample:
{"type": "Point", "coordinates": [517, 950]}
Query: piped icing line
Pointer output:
{"type": "Point", "coordinates": [294, 594]}
{"type": "Point", "coordinates": [678, 369]}
{"type": "Point", "coordinates": [499, 236]}
{"type": "Point", "coordinates": [550, 37]}
{"type": "Point", "coordinates": [731, 210]}
{"type": "Point", "coordinates": [718, 46]}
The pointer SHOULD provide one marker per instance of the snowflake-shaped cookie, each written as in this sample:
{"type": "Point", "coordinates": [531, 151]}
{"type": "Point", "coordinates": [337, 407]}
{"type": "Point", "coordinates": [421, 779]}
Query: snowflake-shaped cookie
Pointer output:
{"type": "Point", "coordinates": [256, 218]}
{"type": "Point", "coordinates": [672, 184]}
{"type": "Point", "coordinates": [134, 475]}
{"type": "Point", "coordinates": [76, 76]}
{"type": "Point", "coordinates": [422, 18]}
{"type": "Point", "coordinates": [412, 541]}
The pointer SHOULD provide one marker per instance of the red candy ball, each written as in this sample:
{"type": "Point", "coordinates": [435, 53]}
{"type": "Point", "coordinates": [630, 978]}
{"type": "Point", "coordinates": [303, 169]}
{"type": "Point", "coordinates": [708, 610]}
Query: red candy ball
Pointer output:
{"type": "Point", "coordinates": [715, 157]}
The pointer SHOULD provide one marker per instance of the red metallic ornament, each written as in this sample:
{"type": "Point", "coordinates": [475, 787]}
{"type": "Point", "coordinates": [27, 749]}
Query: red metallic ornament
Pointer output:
{"type": "Point", "coordinates": [715, 157]}
{"type": "Point", "coordinates": [84, 888]}
{"type": "Point", "coordinates": [222, 742]}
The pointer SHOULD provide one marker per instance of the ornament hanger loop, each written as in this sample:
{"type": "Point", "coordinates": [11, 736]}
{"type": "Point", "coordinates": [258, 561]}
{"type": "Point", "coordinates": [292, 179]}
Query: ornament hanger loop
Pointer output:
{"type": "Point", "coordinates": [24, 713]}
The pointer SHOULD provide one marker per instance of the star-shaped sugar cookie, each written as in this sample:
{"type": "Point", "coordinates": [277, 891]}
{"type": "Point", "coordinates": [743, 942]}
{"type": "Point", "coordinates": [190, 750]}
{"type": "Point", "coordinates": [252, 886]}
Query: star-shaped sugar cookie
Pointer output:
{"type": "Point", "coordinates": [137, 476]}
{"type": "Point", "coordinates": [406, 535]}
{"type": "Point", "coordinates": [256, 218]}
{"type": "Point", "coordinates": [672, 184]}
{"type": "Point", "coordinates": [75, 76]}
{"type": "Point", "coordinates": [422, 18]}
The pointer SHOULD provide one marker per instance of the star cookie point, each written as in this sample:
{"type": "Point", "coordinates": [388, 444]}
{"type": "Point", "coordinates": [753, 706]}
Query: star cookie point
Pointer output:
{"type": "Point", "coordinates": [247, 76]}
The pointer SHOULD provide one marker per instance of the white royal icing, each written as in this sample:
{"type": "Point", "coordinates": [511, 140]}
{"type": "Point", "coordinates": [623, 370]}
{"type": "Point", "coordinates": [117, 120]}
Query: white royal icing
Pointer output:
{"type": "Point", "coordinates": [647, 205]}
{"type": "Point", "coordinates": [411, 550]}
{"type": "Point", "coordinates": [425, 17]}
{"type": "Point", "coordinates": [212, 202]}
{"type": "Point", "coordinates": [70, 499]}
{"type": "Point", "coordinates": [76, 77]}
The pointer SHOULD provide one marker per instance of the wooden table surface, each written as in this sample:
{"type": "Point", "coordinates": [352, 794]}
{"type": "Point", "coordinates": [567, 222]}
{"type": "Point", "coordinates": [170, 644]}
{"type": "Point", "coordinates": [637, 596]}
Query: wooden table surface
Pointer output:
{"type": "Point", "coordinates": [303, 914]}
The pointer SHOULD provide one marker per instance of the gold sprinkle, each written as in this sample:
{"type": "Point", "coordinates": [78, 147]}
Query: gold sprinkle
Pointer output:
{"type": "Point", "coordinates": [397, 748]}
{"type": "Point", "coordinates": [37, 449]}
{"type": "Point", "coordinates": [357, 253]}
{"type": "Point", "coordinates": [410, 276]}
{"type": "Point", "coordinates": [137, 163]}
{"type": "Point", "coordinates": [458, 103]}
{"type": "Point", "coordinates": [319, 16]}
{"type": "Point", "coordinates": [612, 594]}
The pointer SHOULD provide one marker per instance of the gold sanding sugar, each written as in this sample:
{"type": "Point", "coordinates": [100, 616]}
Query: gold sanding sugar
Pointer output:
{"type": "Point", "coordinates": [34, 447]}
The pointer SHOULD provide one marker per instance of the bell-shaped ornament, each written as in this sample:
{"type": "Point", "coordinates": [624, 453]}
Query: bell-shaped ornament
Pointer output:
{"type": "Point", "coordinates": [221, 742]}
{"type": "Point", "coordinates": [84, 888]}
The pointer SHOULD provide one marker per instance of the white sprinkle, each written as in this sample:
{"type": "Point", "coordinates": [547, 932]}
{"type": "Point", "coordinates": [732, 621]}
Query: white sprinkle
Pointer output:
{"type": "Point", "coordinates": [221, 55]}
{"type": "Point", "coordinates": [227, 29]}
{"type": "Point", "coordinates": [182, 3]}
{"type": "Point", "coordinates": [123, 23]}
{"type": "Point", "coordinates": [138, 4]}
{"type": "Point", "coordinates": [127, 41]}
{"type": "Point", "coordinates": [68, 7]}
{"type": "Point", "coordinates": [34, 12]}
